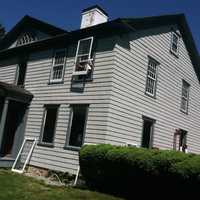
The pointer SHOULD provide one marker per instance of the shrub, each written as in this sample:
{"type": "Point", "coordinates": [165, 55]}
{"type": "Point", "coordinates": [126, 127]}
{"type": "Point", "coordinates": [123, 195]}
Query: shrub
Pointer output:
{"type": "Point", "coordinates": [119, 169]}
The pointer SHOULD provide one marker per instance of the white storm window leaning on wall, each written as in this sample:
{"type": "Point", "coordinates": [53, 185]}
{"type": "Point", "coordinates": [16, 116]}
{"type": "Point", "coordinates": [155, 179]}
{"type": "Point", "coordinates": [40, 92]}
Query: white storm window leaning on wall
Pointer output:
{"type": "Point", "coordinates": [151, 80]}
{"type": "Point", "coordinates": [83, 60]}
{"type": "Point", "coordinates": [57, 71]}
{"type": "Point", "coordinates": [174, 43]}
{"type": "Point", "coordinates": [185, 96]}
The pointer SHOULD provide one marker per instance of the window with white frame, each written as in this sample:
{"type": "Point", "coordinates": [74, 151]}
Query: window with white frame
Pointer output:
{"type": "Point", "coordinates": [185, 96]}
{"type": "Point", "coordinates": [57, 70]}
{"type": "Point", "coordinates": [174, 43]}
{"type": "Point", "coordinates": [83, 60]}
{"type": "Point", "coordinates": [151, 80]}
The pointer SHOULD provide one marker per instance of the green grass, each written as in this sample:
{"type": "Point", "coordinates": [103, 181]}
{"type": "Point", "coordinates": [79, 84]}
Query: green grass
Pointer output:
{"type": "Point", "coordinates": [19, 187]}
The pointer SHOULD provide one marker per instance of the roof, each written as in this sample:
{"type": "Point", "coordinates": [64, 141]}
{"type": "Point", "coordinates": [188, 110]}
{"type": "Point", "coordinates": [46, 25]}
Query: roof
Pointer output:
{"type": "Point", "coordinates": [117, 26]}
{"type": "Point", "coordinates": [93, 7]}
{"type": "Point", "coordinates": [28, 21]}
{"type": "Point", "coordinates": [14, 91]}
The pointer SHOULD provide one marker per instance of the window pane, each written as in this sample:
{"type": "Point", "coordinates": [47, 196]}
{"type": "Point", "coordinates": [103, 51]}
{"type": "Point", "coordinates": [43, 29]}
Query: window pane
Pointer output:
{"type": "Point", "coordinates": [174, 42]}
{"type": "Point", "coordinates": [185, 96]}
{"type": "Point", "coordinates": [21, 72]}
{"type": "Point", "coordinates": [77, 126]}
{"type": "Point", "coordinates": [57, 72]}
{"type": "Point", "coordinates": [146, 136]}
{"type": "Point", "coordinates": [151, 77]}
{"type": "Point", "coordinates": [59, 58]}
{"type": "Point", "coordinates": [49, 126]}
{"type": "Point", "coordinates": [84, 46]}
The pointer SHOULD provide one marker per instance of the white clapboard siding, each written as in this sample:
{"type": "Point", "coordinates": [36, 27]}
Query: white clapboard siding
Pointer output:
{"type": "Point", "coordinates": [7, 73]}
{"type": "Point", "coordinates": [96, 93]}
{"type": "Point", "coordinates": [129, 102]}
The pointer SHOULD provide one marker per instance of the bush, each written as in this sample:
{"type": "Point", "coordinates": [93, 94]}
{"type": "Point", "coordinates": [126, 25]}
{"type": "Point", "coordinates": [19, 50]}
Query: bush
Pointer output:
{"type": "Point", "coordinates": [119, 170]}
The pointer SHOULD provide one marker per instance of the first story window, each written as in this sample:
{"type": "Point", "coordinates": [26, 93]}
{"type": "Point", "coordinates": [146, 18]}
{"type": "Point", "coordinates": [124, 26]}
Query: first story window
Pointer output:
{"type": "Point", "coordinates": [77, 125]}
{"type": "Point", "coordinates": [57, 70]}
{"type": "Point", "coordinates": [151, 80]}
{"type": "Point", "coordinates": [147, 133]}
{"type": "Point", "coordinates": [20, 73]}
{"type": "Point", "coordinates": [185, 96]}
{"type": "Point", "coordinates": [180, 140]}
{"type": "Point", "coordinates": [49, 124]}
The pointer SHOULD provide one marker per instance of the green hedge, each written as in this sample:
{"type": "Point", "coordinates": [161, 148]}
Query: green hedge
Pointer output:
{"type": "Point", "coordinates": [121, 170]}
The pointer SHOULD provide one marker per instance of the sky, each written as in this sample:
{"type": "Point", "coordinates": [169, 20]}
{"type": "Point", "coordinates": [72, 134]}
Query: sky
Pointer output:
{"type": "Point", "coordinates": [66, 14]}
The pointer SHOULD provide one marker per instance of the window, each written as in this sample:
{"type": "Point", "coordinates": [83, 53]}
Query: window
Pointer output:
{"type": "Point", "coordinates": [185, 96]}
{"type": "Point", "coordinates": [182, 140]}
{"type": "Point", "coordinates": [57, 70]}
{"type": "Point", "coordinates": [151, 80]}
{"type": "Point", "coordinates": [174, 43]}
{"type": "Point", "coordinates": [147, 133]}
{"type": "Point", "coordinates": [20, 74]}
{"type": "Point", "coordinates": [49, 124]}
{"type": "Point", "coordinates": [77, 125]}
{"type": "Point", "coordinates": [26, 38]}
{"type": "Point", "coordinates": [83, 60]}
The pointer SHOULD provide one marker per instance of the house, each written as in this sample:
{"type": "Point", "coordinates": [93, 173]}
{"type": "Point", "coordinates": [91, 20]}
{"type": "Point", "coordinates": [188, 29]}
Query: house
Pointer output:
{"type": "Point", "coordinates": [129, 81]}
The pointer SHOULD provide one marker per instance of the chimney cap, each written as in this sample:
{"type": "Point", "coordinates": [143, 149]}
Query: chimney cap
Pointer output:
{"type": "Point", "coordinates": [93, 7]}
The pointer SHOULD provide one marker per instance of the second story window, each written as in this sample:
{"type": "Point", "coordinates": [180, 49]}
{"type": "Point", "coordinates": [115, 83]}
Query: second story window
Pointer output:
{"type": "Point", "coordinates": [151, 80]}
{"type": "Point", "coordinates": [83, 60]}
{"type": "Point", "coordinates": [174, 43]}
{"type": "Point", "coordinates": [20, 74]}
{"type": "Point", "coordinates": [185, 96]}
{"type": "Point", "coordinates": [57, 70]}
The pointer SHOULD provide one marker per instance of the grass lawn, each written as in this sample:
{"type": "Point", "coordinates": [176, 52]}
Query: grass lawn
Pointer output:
{"type": "Point", "coordinates": [19, 187]}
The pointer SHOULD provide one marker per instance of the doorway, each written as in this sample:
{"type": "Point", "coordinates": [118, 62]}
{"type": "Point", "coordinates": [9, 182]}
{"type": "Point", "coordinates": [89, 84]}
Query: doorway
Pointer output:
{"type": "Point", "coordinates": [13, 127]}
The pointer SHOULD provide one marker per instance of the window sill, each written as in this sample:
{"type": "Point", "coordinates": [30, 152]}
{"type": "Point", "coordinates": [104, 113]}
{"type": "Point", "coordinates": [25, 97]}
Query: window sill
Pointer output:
{"type": "Point", "coordinates": [149, 95]}
{"type": "Point", "coordinates": [72, 148]}
{"type": "Point", "coordinates": [174, 54]}
{"type": "Point", "coordinates": [82, 80]}
{"type": "Point", "coordinates": [184, 111]}
{"type": "Point", "coordinates": [51, 145]}
{"type": "Point", "coordinates": [55, 82]}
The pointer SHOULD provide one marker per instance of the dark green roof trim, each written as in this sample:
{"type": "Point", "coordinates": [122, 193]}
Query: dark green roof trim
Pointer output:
{"type": "Point", "coordinates": [30, 22]}
{"type": "Point", "coordinates": [15, 92]}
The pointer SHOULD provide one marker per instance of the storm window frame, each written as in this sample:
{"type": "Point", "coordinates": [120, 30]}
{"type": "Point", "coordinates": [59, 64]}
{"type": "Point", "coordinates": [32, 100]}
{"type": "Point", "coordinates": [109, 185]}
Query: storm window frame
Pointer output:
{"type": "Point", "coordinates": [151, 76]}
{"type": "Point", "coordinates": [55, 65]}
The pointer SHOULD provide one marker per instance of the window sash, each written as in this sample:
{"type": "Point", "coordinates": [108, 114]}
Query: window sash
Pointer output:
{"type": "Point", "coordinates": [56, 64]}
{"type": "Point", "coordinates": [185, 96]}
{"type": "Point", "coordinates": [174, 43]}
{"type": "Point", "coordinates": [151, 77]}
{"type": "Point", "coordinates": [72, 107]}
{"type": "Point", "coordinates": [85, 54]}
{"type": "Point", "coordinates": [44, 123]}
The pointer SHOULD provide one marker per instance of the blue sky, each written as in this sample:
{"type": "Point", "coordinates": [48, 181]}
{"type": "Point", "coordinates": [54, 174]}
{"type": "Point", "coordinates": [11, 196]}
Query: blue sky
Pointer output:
{"type": "Point", "coordinates": [66, 14]}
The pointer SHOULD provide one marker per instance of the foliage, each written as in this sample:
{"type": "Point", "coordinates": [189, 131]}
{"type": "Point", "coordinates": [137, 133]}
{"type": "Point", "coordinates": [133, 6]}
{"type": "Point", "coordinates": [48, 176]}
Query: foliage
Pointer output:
{"type": "Point", "coordinates": [118, 169]}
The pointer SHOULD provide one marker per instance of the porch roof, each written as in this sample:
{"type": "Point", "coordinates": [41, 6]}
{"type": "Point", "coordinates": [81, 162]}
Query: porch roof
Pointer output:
{"type": "Point", "coordinates": [15, 92]}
